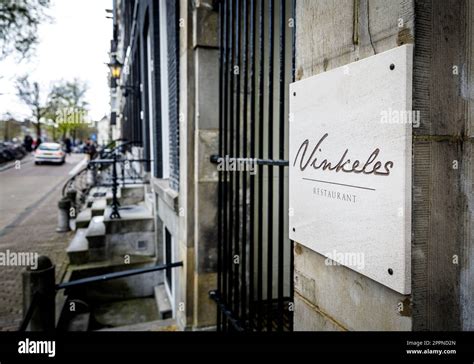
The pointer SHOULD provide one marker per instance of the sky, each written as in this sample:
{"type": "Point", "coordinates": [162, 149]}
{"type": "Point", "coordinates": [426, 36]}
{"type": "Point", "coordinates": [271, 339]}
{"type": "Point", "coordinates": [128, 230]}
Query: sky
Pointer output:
{"type": "Point", "coordinates": [74, 44]}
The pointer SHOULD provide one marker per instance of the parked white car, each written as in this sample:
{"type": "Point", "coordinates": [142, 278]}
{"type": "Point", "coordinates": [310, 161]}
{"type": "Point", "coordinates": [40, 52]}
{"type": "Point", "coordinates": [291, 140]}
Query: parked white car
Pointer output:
{"type": "Point", "coordinates": [50, 152]}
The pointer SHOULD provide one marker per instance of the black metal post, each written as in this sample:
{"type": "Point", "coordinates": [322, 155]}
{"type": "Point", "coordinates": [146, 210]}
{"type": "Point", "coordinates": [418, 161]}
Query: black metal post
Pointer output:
{"type": "Point", "coordinates": [225, 132]}
{"type": "Point", "coordinates": [253, 85]}
{"type": "Point", "coordinates": [222, 10]}
{"type": "Point", "coordinates": [236, 266]}
{"type": "Point", "coordinates": [281, 169]}
{"type": "Point", "coordinates": [230, 257]}
{"type": "Point", "coordinates": [123, 166]}
{"type": "Point", "coordinates": [243, 263]}
{"type": "Point", "coordinates": [115, 203]}
{"type": "Point", "coordinates": [260, 168]}
{"type": "Point", "coordinates": [39, 296]}
{"type": "Point", "coordinates": [271, 31]}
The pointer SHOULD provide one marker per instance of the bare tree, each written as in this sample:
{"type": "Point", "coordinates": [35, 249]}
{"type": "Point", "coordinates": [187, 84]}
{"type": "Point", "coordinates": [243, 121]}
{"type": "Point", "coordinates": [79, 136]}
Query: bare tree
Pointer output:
{"type": "Point", "coordinates": [19, 20]}
{"type": "Point", "coordinates": [69, 97]}
{"type": "Point", "coordinates": [30, 93]}
{"type": "Point", "coordinates": [71, 93]}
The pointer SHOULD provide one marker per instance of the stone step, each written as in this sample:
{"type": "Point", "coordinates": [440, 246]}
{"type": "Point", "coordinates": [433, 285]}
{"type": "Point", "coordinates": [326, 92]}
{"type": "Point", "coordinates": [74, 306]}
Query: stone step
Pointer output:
{"type": "Point", "coordinates": [163, 303]}
{"type": "Point", "coordinates": [125, 312]}
{"type": "Point", "coordinates": [96, 193]}
{"type": "Point", "coordinates": [78, 249]}
{"type": "Point", "coordinates": [83, 218]}
{"type": "Point", "coordinates": [133, 218]}
{"type": "Point", "coordinates": [133, 233]}
{"type": "Point", "coordinates": [158, 325]}
{"type": "Point", "coordinates": [96, 237]}
{"type": "Point", "coordinates": [132, 194]}
{"type": "Point", "coordinates": [110, 195]}
{"type": "Point", "coordinates": [98, 207]}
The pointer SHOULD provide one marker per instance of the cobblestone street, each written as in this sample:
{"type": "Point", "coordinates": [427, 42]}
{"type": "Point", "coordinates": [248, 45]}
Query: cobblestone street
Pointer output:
{"type": "Point", "coordinates": [28, 206]}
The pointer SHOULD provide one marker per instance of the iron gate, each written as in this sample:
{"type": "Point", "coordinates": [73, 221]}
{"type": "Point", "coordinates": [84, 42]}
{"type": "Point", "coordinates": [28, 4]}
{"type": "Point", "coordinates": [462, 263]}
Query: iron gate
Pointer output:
{"type": "Point", "coordinates": [255, 256]}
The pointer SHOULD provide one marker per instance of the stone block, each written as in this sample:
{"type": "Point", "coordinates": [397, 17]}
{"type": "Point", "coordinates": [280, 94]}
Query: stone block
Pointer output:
{"type": "Point", "coordinates": [207, 88]}
{"type": "Point", "coordinates": [308, 317]}
{"type": "Point", "coordinates": [206, 24]}
{"type": "Point", "coordinates": [78, 249]}
{"type": "Point", "coordinates": [354, 301]}
{"type": "Point", "coordinates": [98, 207]}
{"type": "Point", "coordinates": [83, 218]}
{"type": "Point", "coordinates": [132, 243]}
{"type": "Point", "coordinates": [163, 303]}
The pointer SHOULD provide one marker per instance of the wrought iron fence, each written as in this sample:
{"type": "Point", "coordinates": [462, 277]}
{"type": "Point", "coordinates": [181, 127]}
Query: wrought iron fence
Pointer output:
{"type": "Point", "coordinates": [255, 273]}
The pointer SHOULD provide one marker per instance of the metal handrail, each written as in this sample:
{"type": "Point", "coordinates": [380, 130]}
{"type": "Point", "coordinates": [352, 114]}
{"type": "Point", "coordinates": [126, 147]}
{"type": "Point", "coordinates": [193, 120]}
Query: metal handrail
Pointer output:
{"type": "Point", "coordinates": [120, 148]}
{"type": "Point", "coordinates": [72, 179]}
{"type": "Point", "coordinates": [115, 214]}
{"type": "Point", "coordinates": [112, 143]}
{"type": "Point", "coordinates": [103, 160]}
{"type": "Point", "coordinates": [84, 281]}
{"type": "Point", "coordinates": [214, 159]}
{"type": "Point", "coordinates": [116, 275]}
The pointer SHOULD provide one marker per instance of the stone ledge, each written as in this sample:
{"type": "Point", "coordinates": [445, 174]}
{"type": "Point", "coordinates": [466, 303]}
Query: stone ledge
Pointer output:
{"type": "Point", "coordinates": [163, 303]}
{"type": "Point", "coordinates": [205, 24]}
{"type": "Point", "coordinates": [162, 188]}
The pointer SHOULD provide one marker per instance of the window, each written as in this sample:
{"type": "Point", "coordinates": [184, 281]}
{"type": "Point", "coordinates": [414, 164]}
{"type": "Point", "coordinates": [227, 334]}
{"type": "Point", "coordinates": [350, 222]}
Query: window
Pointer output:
{"type": "Point", "coordinates": [151, 119]}
{"type": "Point", "coordinates": [164, 88]}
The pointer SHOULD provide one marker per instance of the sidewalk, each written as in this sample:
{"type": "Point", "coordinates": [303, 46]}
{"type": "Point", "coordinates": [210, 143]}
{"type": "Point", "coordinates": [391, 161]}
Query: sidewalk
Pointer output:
{"type": "Point", "coordinates": [36, 233]}
{"type": "Point", "coordinates": [32, 230]}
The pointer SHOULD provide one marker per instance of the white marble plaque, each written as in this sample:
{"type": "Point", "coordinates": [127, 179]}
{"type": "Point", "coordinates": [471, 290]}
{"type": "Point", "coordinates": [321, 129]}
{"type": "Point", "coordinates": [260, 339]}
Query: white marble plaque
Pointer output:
{"type": "Point", "coordinates": [350, 166]}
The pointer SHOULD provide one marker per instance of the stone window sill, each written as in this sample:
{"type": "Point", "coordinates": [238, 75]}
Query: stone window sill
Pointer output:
{"type": "Point", "coordinates": [162, 188]}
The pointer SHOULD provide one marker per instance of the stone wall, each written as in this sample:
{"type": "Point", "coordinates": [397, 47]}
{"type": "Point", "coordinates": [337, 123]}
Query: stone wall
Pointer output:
{"type": "Point", "coordinates": [334, 33]}
{"type": "Point", "coordinates": [197, 200]}
{"type": "Point", "coordinates": [331, 34]}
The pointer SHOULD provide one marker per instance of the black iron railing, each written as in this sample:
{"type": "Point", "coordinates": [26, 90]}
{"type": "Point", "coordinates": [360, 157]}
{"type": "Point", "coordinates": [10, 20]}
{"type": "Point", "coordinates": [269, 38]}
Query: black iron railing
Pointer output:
{"type": "Point", "coordinates": [36, 299]}
{"type": "Point", "coordinates": [121, 171]}
{"type": "Point", "coordinates": [79, 184]}
{"type": "Point", "coordinates": [121, 146]}
{"type": "Point", "coordinates": [112, 167]}
{"type": "Point", "coordinates": [116, 275]}
{"type": "Point", "coordinates": [256, 293]}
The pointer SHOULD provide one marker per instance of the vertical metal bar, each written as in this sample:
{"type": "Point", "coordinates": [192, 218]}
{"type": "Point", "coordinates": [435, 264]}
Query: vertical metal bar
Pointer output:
{"type": "Point", "coordinates": [122, 166]}
{"type": "Point", "coordinates": [115, 203]}
{"type": "Point", "coordinates": [229, 297]}
{"type": "Point", "coordinates": [221, 150]}
{"type": "Point", "coordinates": [224, 172]}
{"type": "Point", "coordinates": [270, 169]}
{"type": "Point", "coordinates": [260, 167]}
{"type": "Point", "coordinates": [281, 174]}
{"type": "Point", "coordinates": [237, 73]}
{"type": "Point", "coordinates": [252, 155]}
{"type": "Point", "coordinates": [293, 72]}
{"type": "Point", "coordinates": [243, 254]}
